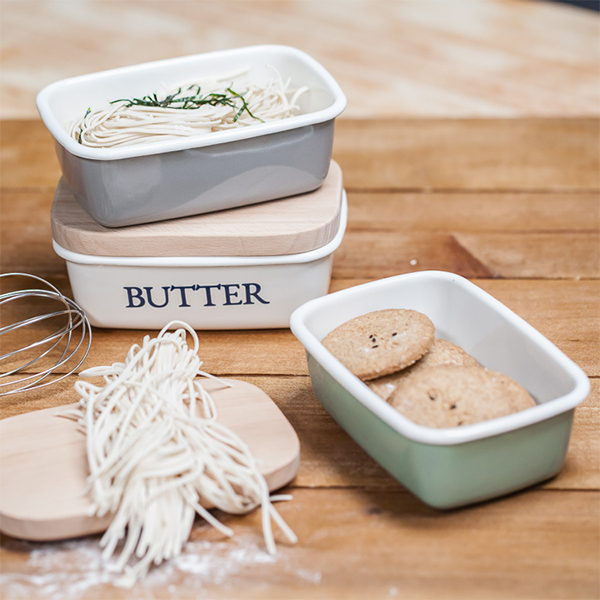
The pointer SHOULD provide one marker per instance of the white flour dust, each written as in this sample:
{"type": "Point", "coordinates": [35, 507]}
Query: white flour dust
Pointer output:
{"type": "Point", "coordinates": [74, 569]}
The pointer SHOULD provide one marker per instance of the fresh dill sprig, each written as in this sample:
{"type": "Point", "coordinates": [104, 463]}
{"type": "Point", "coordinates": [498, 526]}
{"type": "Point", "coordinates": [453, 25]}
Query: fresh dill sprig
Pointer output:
{"type": "Point", "coordinates": [193, 102]}
{"type": "Point", "coordinates": [87, 112]}
{"type": "Point", "coordinates": [244, 106]}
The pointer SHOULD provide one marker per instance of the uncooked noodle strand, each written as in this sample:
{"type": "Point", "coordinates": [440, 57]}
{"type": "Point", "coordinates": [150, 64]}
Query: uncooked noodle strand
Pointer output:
{"type": "Point", "coordinates": [156, 450]}
{"type": "Point", "coordinates": [125, 123]}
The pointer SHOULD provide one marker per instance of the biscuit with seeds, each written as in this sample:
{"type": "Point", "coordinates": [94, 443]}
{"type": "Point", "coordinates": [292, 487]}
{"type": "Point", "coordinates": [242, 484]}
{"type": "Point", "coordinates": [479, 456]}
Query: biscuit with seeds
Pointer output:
{"type": "Point", "coordinates": [441, 352]}
{"type": "Point", "coordinates": [451, 396]}
{"type": "Point", "coordinates": [381, 342]}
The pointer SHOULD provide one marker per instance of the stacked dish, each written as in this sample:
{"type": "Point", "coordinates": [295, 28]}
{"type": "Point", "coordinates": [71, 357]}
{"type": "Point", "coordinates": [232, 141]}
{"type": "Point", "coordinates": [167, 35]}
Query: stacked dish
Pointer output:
{"type": "Point", "coordinates": [242, 268]}
{"type": "Point", "coordinates": [130, 184]}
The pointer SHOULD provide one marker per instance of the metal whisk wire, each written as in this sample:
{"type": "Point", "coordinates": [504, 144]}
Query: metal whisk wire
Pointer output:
{"type": "Point", "coordinates": [75, 335]}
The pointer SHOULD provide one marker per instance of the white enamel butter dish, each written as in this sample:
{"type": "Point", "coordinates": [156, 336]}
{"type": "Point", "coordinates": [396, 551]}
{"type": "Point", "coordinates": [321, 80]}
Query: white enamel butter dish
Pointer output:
{"type": "Point", "coordinates": [193, 175]}
{"type": "Point", "coordinates": [244, 268]}
{"type": "Point", "coordinates": [450, 467]}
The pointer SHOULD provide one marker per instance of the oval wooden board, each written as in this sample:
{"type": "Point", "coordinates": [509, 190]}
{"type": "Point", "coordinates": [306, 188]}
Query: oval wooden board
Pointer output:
{"type": "Point", "coordinates": [44, 463]}
{"type": "Point", "coordinates": [287, 226]}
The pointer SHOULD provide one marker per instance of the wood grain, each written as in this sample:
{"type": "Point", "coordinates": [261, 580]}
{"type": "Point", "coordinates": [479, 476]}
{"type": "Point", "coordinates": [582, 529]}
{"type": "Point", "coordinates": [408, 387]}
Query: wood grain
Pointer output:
{"type": "Point", "coordinates": [27, 156]}
{"type": "Point", "coordinates": [498, 58]}
{"type": "Point", "coordinates": [44, 480]}
{"type": "Point", "coordinates": [469, 212]}
{"type": "Point", "coordinates": [502, 155]}
{"type": "Point", "coordinates": [566, 312]}
{"type": "Point", "coordinates": [473, 255]}
{"type": "Point", "coordinates": [330, 458]}
{"type": "Point", "coordinates": [511, 204]}
{"type": "Point", "coordinates": [560, 225]}
{"type": "Point", "coordinates": [358, 543]}
{"type": "Point", "coordinates": [521, 155]}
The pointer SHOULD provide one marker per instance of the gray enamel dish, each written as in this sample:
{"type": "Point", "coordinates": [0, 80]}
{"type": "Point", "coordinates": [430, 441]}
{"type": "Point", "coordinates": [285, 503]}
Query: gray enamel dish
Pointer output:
{"type": "Point", "coordinates": [168, 179]}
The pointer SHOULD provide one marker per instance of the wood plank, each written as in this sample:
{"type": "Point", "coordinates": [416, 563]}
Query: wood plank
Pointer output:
{"type": "Point", "coordinates": [25, 233]}
{"type": "Point", "coordinates": [475, 212]}
{"type": "Point", "coordinates": [450, 240]}
{"type": "Point", "coordinates": [353, 543]}
{"type": "Point", "coordinates": [329, 457]}
{"type": "Point", "coordinates": [537, 255]}
{"type": "Point", "coordinates": [374, 212]}
{"type": "Point", "coordinates": [493, 58]}
{"type": "Point", "coordinates": [402, 154]}
{"type": "Point", "coordinates": [500, 155]}
{"type": "Point", "coordinates": [374, 254]}
{"type": "Point", "coordinates": [566, 312]}
{"type": "Point", "coordinates": [27, 157]}
{"type": "Point", "coordinates": [476, 255]}
{"type": "Point", "coordinates": [503, 201]}
{"type": "Point", "coordinates": [399, 211]}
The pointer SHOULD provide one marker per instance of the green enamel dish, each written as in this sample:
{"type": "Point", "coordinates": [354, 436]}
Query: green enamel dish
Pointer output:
{"type": "Point", "coordinates": [450, 467]}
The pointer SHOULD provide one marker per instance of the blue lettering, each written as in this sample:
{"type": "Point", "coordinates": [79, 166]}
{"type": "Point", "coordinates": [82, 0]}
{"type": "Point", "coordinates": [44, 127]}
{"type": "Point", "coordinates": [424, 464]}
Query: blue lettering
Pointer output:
{"type": "Point", "coordinates": [234, 294]}
{"type": "Point", "coordinates": [182, 289]}
{"type": "Point", "coordinates": [230, 294]}
{"type": "Point", "coordinates": [134, 294]}
{"type": "Point", "coordinates": [208, 293]}
{"type": "Point", "coordinates": [151, 302]}
{"type": "Point", "coordinates": [254, 293]}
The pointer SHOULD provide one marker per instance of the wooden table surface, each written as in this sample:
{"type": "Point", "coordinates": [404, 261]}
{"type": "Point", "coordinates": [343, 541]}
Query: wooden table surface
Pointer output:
{"type": "Point", "coordinates": [510, 204]}
{"type": "Point", "coordinates": [434, 182]}
{"type": "Point", "coordinates": [443, 58]}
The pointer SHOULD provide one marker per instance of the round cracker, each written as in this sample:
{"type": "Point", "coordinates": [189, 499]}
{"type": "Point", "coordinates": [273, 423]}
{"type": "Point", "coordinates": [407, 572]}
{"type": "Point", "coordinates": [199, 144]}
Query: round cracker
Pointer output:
{"type": "Point", "coordinates": [451, 396]}
{"type": "Point", "coordinates": [381, 342]}
{"type": "Point", "coordinates": [441, 352]}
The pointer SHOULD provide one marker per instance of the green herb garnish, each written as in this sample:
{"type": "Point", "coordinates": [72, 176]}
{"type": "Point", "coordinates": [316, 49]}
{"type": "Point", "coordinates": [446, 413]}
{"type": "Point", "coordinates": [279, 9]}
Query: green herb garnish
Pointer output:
{"type": "Point", "coordinates": [244, 106]}
{"type": "Point", "coordinates": [87, 112]}
{"type": "Point", "coordinates": [192, 102]}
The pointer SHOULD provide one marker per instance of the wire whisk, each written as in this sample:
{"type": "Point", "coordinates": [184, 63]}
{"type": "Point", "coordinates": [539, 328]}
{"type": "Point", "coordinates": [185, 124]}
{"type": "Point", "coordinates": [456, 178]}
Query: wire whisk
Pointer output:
{"type": "Point", "coordinates": [35, 346]}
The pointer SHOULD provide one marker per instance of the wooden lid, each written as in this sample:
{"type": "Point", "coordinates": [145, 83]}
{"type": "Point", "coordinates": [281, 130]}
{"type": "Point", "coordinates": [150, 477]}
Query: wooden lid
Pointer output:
{"type": "Point", "coordinates": [287, 226]}
{"type": "Point", "coordinates": [45, 467]}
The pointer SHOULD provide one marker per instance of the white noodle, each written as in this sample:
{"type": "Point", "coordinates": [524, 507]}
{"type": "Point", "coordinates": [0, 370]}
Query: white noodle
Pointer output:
{"type": "Point", "coordinates": [121, 125]}
{"type": "Point", "coordinates": [156, 451]}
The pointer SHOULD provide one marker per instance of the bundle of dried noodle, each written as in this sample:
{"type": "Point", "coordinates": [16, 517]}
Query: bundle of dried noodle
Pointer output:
{"type": "Point", "coordinates": [155, 449]}
{"type": "Point", "coordinates": [190, 110]}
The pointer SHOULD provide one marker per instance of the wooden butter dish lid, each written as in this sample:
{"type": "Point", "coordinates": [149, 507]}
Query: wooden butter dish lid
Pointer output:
{"type": "Point", "coordinates": [287, 226]}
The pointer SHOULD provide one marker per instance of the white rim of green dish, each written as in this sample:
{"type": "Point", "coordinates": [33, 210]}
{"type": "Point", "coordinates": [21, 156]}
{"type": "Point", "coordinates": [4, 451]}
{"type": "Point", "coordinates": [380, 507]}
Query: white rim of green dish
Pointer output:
{"type": "Point", "coordinates": [428, 435]}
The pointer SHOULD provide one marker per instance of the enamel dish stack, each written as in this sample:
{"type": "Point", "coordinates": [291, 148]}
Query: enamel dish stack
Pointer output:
{"type": "Point", "coordinates": [228, 230]}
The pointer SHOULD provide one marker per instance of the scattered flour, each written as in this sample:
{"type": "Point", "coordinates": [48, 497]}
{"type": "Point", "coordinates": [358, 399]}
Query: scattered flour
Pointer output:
{"type": "Point", "coordinates": [312, 576]}
{"type": "Point", "coordinates": [74, 569]}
